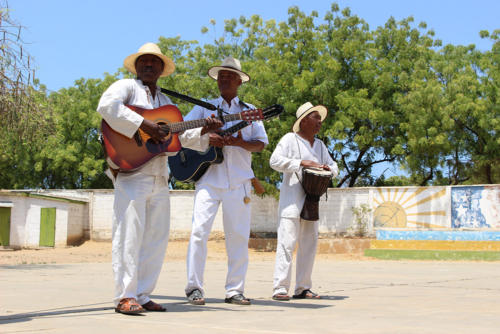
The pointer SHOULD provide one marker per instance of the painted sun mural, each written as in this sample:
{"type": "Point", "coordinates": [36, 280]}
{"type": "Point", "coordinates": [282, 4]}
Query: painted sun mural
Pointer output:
{"type": "Point", "coordinates": [422, 207]}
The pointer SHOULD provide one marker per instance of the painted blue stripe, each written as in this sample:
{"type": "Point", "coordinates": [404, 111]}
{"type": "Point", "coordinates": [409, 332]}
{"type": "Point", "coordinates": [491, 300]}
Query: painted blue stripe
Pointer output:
{"type": "Point", "coordinates": [439, 235]}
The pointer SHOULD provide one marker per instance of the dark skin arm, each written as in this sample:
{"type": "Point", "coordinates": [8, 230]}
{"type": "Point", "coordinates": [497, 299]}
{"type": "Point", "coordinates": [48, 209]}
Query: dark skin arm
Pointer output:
{"type": "Point", "coordinates": [153, 129]}
{"type": "Point", "coordinates": [213, 124]}
{"type": "Point", "coordinates": [310, 163]}
{"type": "Point", "coordinates": [251, 146]}
{"type": "Point", "coordinates": [215, 139]}
{"type": "Point", "coordinates": [158, 134]}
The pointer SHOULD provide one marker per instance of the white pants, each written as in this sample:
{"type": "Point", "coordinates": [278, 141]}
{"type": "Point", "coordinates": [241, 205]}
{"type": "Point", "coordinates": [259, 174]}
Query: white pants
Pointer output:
{"type": "Point", "coordinates": [291, 231]}
{"type": "Point", "coordinates": [141, 223]}
{"type": "Point", "coordinates": [236, 221]}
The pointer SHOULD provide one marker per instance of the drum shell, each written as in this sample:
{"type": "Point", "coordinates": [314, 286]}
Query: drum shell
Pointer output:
{"type": "Point", "coordinates": [315, 184]}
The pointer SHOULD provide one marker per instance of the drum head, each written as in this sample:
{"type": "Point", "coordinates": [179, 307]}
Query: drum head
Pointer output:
{"type": "Point", "coordinates": [317, 171]}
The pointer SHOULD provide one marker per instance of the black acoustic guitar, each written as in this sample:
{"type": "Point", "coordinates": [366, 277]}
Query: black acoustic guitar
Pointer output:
{"type": "Point", "coordinates": [190, 165]}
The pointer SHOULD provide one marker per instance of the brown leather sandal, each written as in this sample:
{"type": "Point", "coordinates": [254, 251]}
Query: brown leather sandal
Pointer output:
{"type": "Point", "coordinates": [151, 306]}
{"type": "Point", "coordinates": [129, 306]}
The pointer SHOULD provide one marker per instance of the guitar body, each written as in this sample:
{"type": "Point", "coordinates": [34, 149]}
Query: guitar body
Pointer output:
{"type": "Point", "coordinates": [128, 154]}
{"type": "Point", "coordinates": [190, 165]}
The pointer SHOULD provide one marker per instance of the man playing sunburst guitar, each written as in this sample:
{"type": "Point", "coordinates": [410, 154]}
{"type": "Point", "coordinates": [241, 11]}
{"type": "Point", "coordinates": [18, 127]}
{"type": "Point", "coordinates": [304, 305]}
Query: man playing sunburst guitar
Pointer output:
{"type": "Point", "coordinates": [141, 211]}
{"type": "Point", "coordinates": [227, 183]}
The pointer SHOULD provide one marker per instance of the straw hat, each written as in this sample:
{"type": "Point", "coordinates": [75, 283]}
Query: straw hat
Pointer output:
{"type": "Point", "coordinates": [150, 49]}
{"type": "Point", "coordinates": [229, 64]}
{"type": "Point", "coordinates": [305, 110]}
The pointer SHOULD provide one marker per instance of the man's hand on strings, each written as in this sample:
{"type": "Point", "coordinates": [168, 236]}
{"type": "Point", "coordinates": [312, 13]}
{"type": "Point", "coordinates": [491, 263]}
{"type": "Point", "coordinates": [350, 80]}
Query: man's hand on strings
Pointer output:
{"type": "Point", "coordinates": [234, 141]}
{"type": "Point", "coordinates": [155, 131]}
{"type": "Point", "coordinates": [213, 124]}
{"type": "Point", "coordinates": [215, 139]}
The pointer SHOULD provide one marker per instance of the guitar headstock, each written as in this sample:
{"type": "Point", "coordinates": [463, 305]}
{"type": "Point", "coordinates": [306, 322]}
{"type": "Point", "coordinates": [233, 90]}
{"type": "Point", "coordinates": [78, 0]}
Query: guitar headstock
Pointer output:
{"type": "Point", "coordinates": [252, 115]}
{"type": "Point", "coordinates": [273, 111]}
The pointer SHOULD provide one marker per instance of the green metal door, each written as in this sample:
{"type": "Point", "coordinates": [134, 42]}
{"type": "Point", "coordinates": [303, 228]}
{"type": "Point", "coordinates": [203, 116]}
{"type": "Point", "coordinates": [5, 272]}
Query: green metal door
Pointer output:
{"type": "Point", "coordinates": [4, 226]}
{"type": "Point", "coordinates": [47, 227]}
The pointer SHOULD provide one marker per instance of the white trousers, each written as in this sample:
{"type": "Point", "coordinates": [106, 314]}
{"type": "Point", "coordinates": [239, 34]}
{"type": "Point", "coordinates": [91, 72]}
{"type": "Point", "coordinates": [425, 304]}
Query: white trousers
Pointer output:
{"type": "Point", "coordinates": [290, 232]}
{"type": "Point", "coordinates": [236, 221]}
{"type": "Point", "coordinates": [141, 222]}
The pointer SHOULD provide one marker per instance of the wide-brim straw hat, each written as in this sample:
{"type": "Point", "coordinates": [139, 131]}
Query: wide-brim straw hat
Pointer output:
{"type": "Point", "coordinates": [229, 64]}
{"type": "Point", "coordinates": [150, 49]}
{"type": "Point", "coordinates": [305, 110]}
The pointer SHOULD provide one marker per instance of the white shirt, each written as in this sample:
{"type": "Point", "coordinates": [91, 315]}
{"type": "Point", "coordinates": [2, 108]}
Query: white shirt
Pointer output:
{"type": "Point", "coordinates": [236, 168]}
{"type": "Point", "coordinates": [125, 121]}
{"type": "Point", "coordinates": [286, 158]}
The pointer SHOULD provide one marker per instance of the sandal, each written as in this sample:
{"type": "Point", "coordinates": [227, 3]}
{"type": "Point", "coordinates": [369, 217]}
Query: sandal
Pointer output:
{"type": "Point", "coordinates": [238, 299]}
{"type": "Point", "coordinates": [129, 306]}
{"type": "Point", "coordinates": [195, 297]}
{"type": "Point", "coordinates": [281, 297]}
{"type": "Point", "coordinates": [151, 306]}
{"type": "Point", "coordinates": [307, 294]}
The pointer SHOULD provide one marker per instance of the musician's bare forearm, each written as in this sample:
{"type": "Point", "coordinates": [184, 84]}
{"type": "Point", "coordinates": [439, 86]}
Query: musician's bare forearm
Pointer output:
{"type": "Point", "coordinates": [310, 163]}
{"type": "Point", "coordinates": [252, 146]}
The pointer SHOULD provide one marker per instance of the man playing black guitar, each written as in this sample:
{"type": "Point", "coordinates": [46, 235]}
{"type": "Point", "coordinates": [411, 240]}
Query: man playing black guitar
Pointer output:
{"type": "Point", "coordinates": [227, 183]}
{"type": "Point", "coordinates": [190, 165]}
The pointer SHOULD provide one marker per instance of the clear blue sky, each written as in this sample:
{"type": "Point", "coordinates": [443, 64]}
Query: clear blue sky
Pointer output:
{"type": "Point", "coordinates": [71, 39]}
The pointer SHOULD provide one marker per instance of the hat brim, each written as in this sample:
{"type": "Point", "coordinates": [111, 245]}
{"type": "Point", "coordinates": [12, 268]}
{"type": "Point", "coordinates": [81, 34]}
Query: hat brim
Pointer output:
{"type": "Point", "coordinates": [168, 67]}
{"type": "Point", "coordinates": [213, 72]}
{"type": "Point", "coordinates": [323, 112]}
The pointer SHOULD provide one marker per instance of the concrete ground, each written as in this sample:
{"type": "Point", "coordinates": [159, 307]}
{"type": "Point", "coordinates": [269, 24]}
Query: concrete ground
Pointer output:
{"type": "Point", "coordinates": [358, 297]}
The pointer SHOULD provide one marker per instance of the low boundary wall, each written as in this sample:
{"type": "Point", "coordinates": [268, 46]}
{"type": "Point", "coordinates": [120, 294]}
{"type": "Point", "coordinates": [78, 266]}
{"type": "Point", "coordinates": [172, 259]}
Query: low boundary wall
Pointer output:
{"type": "Point", "coordinates": [346, 211]}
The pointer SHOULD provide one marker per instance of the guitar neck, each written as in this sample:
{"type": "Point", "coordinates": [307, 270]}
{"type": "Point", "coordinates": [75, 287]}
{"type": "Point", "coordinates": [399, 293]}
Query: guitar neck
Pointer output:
{"type": "Point", "coordinates": [266, 113]}
{"type": "Point", "coordinates": [235, 128]}
{"type": "Point", "coordinates": [198, 123]}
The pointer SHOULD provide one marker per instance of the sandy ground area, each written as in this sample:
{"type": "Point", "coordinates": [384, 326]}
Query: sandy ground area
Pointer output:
{"type": "Point", "coordinates": [98, 252]}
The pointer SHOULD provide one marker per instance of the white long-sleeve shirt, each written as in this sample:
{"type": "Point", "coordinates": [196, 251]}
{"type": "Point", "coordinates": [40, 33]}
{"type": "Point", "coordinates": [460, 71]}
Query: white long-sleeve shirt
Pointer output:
{"type": "Point", "coordinates": [286, 158]}
{"type": "Point", "coordinates": [236, 168]}
{"type": "Point", "coordinates": [125, 121]}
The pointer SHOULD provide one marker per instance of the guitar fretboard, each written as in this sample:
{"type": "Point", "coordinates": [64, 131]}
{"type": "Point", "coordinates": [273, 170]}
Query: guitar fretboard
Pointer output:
{"type": "Point", "coordinates": [266, 113]}
{"type": "Point", "coordinates": [198, 123]}
{"type": "Point", "coordinates": [235, 128]}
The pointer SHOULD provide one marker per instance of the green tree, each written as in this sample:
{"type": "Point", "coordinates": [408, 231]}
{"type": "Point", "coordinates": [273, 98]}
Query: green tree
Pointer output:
{"type": "Point", "coordinates": [395, 95]}
{"type": "Point", "coordinates": [24, 117]}
{"type": "Point", "coordinates": [72, 156]}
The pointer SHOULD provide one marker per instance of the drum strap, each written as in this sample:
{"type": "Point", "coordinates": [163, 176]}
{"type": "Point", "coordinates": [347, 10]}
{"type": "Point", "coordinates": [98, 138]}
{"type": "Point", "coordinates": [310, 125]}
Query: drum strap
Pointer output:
{"type": "Point", "coordinates": [300, 157]}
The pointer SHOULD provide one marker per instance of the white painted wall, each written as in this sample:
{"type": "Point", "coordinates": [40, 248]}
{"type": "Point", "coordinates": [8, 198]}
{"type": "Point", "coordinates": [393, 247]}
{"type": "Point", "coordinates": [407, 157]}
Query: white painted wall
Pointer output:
{"type": "Point", "coordinates": [78, 223]}
{"type": "Point", "coordinates": [71, 218]}
{"type": "Point", "coordinates": [90, 216]}
{"type": "Point", "coordinates": [101, 215]}
{"type": "Point", "coordinates": [335, 212]}
{"type": "Point", "coordinates": [17, 214]}
{"type": "Point", "coordinates": [32, 223]}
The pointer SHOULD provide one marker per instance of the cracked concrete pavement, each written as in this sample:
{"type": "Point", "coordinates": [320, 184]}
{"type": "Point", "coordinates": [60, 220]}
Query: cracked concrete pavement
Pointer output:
{"type": "Point", "coordinates": [358, 297]}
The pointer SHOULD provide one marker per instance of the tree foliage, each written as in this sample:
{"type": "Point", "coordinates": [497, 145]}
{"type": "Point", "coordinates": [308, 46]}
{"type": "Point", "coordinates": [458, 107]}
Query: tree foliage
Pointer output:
{"type": "Point", "coordinates": [395, 95]}
{"type": "Point", "coordinates": [24, 116]}
{"type": "Point", "coordinates": [72, 156]}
